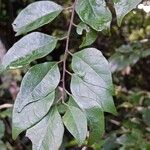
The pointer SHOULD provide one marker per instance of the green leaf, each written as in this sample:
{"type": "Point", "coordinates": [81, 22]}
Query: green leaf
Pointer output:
{"type": "Point", "coordinates": [89, 38]}
{"type": "Point", "coordinates": [36, 15]}
{"type": "Point", "coordinates": [82, 26]}
{"type": "Point", "coordinates": [91, 85]}
{"type": "Point", "coordinates": [146, 116]}
{"type": "Point", "coordinates": [123, 7]}
{"type": "Point", "coordinates": [6, 113]}
{"type": "Point", "coordinates": [2, 146]}
{"type": "Point", "coordinates": [110, 142]}
{"type": "Point", "coordinates": [2, 129]}
{"type": "Point", "coordinates": [96, 124]}
{"type": "Point", "coordinates": [31, 114]}
{"type": "Point", "coordinates": [35, 97]}
{"type": "Point", "coordinates": [48, 133]}
{"type": "Point", "coordinates": [29, 48]}
{"type": "Point", "coordinates": [94, 13]}
{"type": "Point", "coordinates": [39, 81]}
{"type": "Point", "coordinates": [120, 61]}
{"type": "Point", "coordinates": [146, 53]}
{"type": "Point", "coordinates": [76, 123]}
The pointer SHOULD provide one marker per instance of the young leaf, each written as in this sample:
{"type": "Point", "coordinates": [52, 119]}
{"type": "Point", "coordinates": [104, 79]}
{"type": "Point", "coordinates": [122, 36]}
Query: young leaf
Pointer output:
{"type": "Point", "coordinates": [36, 15]}
{"type": "Point", "coordinates": [123, 7]}
{"type": "Point", "coordinates": [96, 122]}
{"type": "Point", "coordinates": [29, 48]}
{"type": "Point", "coordinates": [91, 85]}
{"type": "Point", "coordinates": [89, 38]}
{"type": "Point", "coordinates": [76, 123]}
{"type": "Point", "coordinates": [31, 114]}
{"type": "Point", "coordinates": [94, 13]}
{"type": "Point", "coordinates": [48, 133]}
{"type": "Point", "coordinates": [82, 26]}
{"type": "Point", "coordinates": [38, 82]}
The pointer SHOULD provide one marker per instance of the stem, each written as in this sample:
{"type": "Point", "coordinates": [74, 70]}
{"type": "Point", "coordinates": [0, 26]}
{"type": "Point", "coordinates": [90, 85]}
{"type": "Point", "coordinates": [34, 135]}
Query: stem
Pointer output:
{"type": "Point", "coordinates": [67, 50]}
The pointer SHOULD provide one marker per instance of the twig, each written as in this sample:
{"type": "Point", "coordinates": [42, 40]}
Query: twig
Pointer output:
{"type": "Point", "coordinates": [68, 93]}
{"type": "Point", "coordinates": [75, 25]}
{"type": "Point", "coordinates": [67, 50]}
{"type": "Point", "coordinates": [63, 38]}
{"type": "Point", "coordinates": [68, 8]}
{"type": "Point", "coordinates": [69, 53]}
{"type": "Point", "coordinates": [6, 106]}
{"type": "Point", "coordinates": [68, 72]}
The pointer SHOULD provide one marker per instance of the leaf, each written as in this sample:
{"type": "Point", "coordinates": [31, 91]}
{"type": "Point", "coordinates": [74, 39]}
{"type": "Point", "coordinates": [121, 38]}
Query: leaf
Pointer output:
{"type": "Point", "coordinates": [96, 124]}
{"type": "Point", "coordinates": [31, 114]}
{"type": "Point", "coordinates": [124, 49]}
{"type": "Point", "coordinates": [6, 113]}
{"type": "Point", "coordinates": [76, 123]}
{"type": "Point", "coordinates": [110, 142]}
{"type": "Point", "coordinates": [82, 26]}
{"type": "Point", "coordinates": [36, 15]}
{"type": "Point", "coordinates": [91, 85]}
{"type": "Point", "coordinates": [94, 13]}
{"type": "Point", "coordinates": [39, 81]}
{"type": "Point", "coordinates": [123, 7]}
{"type": "Point", "coordinates": [2, 129]}
{"type": "Point", "coordinates": [146, 53]}
{"type": "Point", "coordinates": [2, 146]}
{"type": "Point", "coordinates": [48, 133]}
{"type": "Point", "coordinates": [89, 38]}
{"type": "Point", "coordinates": [31, 47]}
{"type": "Point", "coordinates": [120, 61]}
{"type": "Point", "coordinates": [146, 116]}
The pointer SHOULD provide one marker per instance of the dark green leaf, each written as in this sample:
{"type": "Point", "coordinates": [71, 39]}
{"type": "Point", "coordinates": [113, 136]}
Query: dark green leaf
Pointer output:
{"type": "Point", "coordinates": [76, 123]}
{"type": "Point", "coordinates": [123, 7]}
{"type": "Point", "coordinates": [96, 124]}
{"type": "Point", "coordinates": [48, 133]}
{"type": "Point", "coordinates": [2, 129]}
{"type": "Point", "coordinates": [29, 48]}
{"type": "Point", "coordinates": [110, 142]}
{"type": "Point", "coordinates": [36, 15]}
{"type": "Point", "coordinates": [146, 116]}
{"type": "Point", "coordinates": [94, 13]}
{"type": "Point", "coordinates": [91, 85]}
{"type": "Point", "coordinates": [89, 38]}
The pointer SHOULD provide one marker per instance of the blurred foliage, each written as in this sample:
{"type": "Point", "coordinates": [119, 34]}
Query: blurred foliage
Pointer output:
{"type": "Point", "coordinates": [128, 49]}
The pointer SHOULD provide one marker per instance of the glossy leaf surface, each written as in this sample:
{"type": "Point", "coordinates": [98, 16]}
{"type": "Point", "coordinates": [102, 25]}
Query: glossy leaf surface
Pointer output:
{"type": "Point", "coordinates": [48, 133]}
{"type": "Point", "coordinates": [76, 123]}
{"type": "Point", "coordinates": [94, 13]}
{"type": "Point", "coordinates": [31, 47]}
{"type": "Point", "coordinates": [91, 85]}
{"type": "Point", "coordinates": [36, 15]}
{"type": "Point", "coordinates": [38, 82]}
{"type": "Point", "coordinates": [31, 114]}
